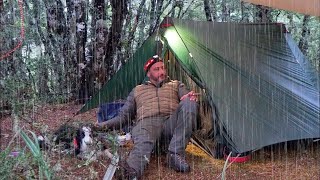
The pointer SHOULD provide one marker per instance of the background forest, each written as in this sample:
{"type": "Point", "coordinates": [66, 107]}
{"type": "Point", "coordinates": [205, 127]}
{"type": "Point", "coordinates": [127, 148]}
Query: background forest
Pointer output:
{"type": "Point", "coordinates": [72, 47]}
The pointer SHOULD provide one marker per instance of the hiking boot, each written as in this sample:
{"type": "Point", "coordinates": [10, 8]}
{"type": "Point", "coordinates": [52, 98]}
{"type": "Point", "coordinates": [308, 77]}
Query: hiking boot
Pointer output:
{"type": "Point", "coordinates": [125, 172]}
{"type": "Point", "coordinates": [177, 162]}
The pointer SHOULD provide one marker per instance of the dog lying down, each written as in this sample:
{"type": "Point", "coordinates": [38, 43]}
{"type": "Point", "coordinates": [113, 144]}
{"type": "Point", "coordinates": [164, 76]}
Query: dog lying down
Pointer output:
{"type": "Point", "coordinates": [75, 140]}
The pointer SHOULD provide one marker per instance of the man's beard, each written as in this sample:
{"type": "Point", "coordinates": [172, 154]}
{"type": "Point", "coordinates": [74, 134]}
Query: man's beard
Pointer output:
{"type": "Point", "coordinates": [159, 79]}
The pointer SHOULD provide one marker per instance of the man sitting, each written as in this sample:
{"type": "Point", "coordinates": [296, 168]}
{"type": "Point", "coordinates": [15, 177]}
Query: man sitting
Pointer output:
{"type": "Point", "coordinates": [164, 109]}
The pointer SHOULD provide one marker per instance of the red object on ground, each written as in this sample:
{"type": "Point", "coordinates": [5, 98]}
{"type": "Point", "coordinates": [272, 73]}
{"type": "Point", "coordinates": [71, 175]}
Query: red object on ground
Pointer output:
{"type": "Point", "coordinates": [238, 159]}
{"type": "Point", "coordinates": [75, 143]}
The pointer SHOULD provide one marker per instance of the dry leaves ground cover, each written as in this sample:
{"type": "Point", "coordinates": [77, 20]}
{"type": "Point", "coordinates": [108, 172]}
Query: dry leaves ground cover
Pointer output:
{"type": "Point", "coordinates": [292, 162]}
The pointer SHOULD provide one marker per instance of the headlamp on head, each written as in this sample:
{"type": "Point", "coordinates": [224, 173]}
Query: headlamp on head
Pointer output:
{"type": "Point", "coordinates": [154, 59]}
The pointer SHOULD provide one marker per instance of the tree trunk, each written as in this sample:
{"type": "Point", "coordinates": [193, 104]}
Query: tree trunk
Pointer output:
{"type": "Point", "coordinates": [159, 13]}
{"type": "Point", "coordinates": [98, 68]}
{"type": "Point", "coordinates": [263, 14]}
{"type": "Point", "coordinates": [244, 14]}
{"type": "Point", "coordinates": [207, 10]}
{"type": "Point", "coordinates": [8, 40]}
{"type": "Point", "coordinates": [141, 35]}
{"type": "Point", "coordinates": [177, 5]}
{"type": "Point", "coordinates": [81, 39]}
{"type": "Point", "coordinates": [119, 12]}
{"type": "Point", "coordinates": [99, 10]}
{"type": "Point", "coordinates": [55, 29]}
{"type": "Point", "coordinates": [152, 16]}
{"type": "Point", "coordinates": [71, 63]}
{"type": "Point", "coordinates": [1, 7]}
{"type": "Point", "coordinates": [305, 32]}
{"type": "Point", "coordinates": [15, 119]}
{"type": "Point", "coordinates": [43, 88]}
{"type": "Point", "coordinates": [43, 79]}
{"type": "Point", "coordinates": [291, 24]}
{"type": "Point", "coordinates": [156, 12]}
{"type": "Point", "coordinates": [2, 25]}
{"type": "Point", "coordinates": [173, 10]}
{"type": "Point", "coordinates": [225, 14]}
{"type": "Point", "coordinates": [134, 27]}
{"type": "Point", "coordinates": [180, 5]}
{"type": "Point", "coordinates": [60, 50]}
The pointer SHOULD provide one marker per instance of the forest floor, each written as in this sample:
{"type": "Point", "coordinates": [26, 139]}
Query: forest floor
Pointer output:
{"type": "Point", "coordinates": [269, 163]}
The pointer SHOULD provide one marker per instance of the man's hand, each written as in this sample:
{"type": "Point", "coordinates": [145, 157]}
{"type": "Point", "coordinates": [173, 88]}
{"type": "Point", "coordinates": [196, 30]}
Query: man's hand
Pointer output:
{"type": "Point", "coordinates": [100, 125]}
{"type": "Point", "coordinates": [192, 95]}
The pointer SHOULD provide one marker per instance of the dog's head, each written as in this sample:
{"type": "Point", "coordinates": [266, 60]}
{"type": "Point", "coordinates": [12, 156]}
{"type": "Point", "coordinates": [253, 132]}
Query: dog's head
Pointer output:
{"type": "Point", "coordinates": [83, 139]}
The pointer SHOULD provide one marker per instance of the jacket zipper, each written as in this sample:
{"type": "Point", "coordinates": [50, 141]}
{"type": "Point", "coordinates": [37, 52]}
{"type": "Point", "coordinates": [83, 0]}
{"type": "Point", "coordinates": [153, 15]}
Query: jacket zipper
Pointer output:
{"type": "Point", "coordinates": [157, 94]}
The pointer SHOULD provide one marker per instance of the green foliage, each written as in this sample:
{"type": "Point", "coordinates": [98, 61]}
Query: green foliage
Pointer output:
{"type": "Point", "coordinates": [8, 163]}
{"type": "Point", "coordinates": [15, 94]}
{"type": "Point", "coordinates": [113, 141]}
{"type": "Point", "coordinates": [33, 146]}
{"type": "Point", "coordinates": [19, 163]}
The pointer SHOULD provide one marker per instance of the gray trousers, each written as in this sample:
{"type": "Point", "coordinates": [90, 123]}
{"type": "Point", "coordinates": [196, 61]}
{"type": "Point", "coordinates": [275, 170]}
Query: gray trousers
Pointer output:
{"type": "Point", "coordinates": [175, 130]}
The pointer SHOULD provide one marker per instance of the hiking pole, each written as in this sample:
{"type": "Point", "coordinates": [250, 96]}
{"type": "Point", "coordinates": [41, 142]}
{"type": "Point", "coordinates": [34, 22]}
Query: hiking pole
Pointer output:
{"type": "Point", "coordinates": [112, 167]}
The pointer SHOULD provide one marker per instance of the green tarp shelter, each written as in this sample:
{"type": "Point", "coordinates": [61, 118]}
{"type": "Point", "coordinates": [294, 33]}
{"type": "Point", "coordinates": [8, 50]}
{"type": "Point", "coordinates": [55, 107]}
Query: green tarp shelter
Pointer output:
{"type": "Point", "coordinates": [263, 89]}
